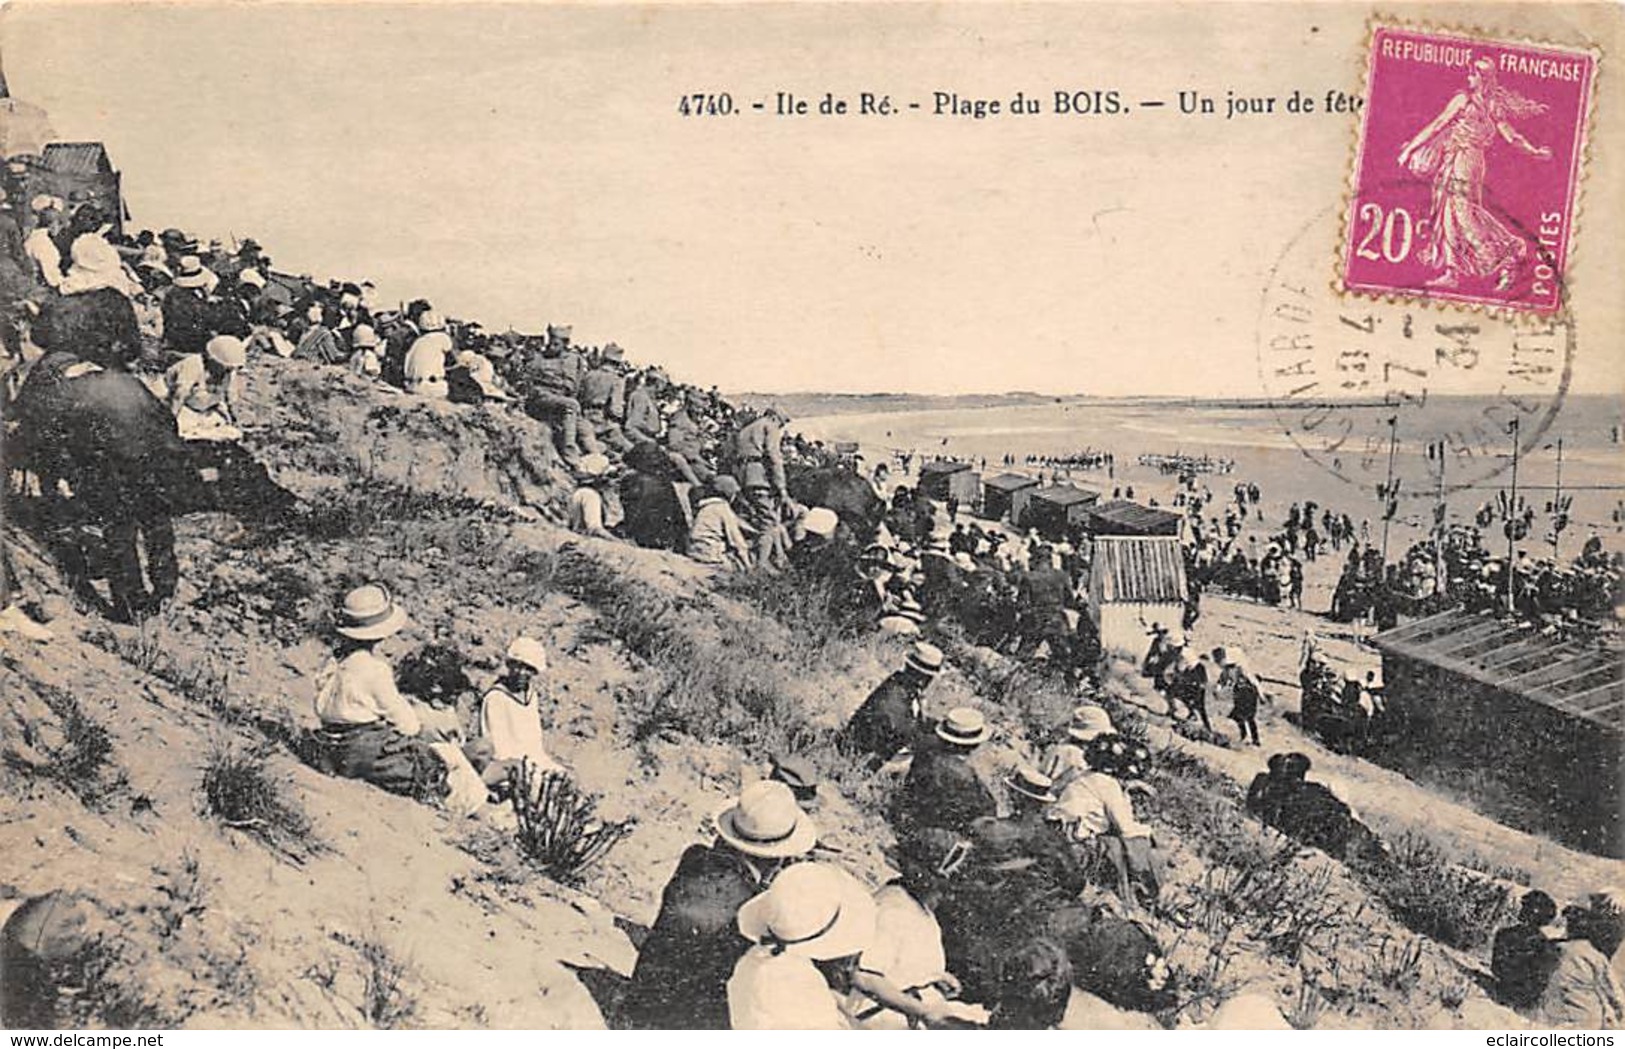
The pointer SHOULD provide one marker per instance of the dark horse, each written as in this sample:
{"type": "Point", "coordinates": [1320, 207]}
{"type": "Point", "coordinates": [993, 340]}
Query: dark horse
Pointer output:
{"type": "Point", "coordinates": [111, 463]}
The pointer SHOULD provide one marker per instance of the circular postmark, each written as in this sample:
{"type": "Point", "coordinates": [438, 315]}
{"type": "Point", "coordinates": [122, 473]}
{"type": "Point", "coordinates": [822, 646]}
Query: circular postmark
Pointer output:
{"type": "Point", "coordinates": [1408, 387]}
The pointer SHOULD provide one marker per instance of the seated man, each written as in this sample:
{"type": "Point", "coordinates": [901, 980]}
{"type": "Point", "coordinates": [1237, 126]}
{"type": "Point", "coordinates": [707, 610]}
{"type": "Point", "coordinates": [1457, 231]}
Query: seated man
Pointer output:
{"type": "Point", "coordinates": [889, 719]}
{"type": "Point", "coordinates": [718, 536]}
{"type": "Point", "coordinates": [1523, 957]}
{"type": "Point", "coordinates": [1306, 812]}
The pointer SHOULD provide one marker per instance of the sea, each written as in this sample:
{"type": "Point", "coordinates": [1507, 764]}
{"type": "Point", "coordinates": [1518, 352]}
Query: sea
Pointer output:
{"type": "Point", "coordinates": [1589, 479]}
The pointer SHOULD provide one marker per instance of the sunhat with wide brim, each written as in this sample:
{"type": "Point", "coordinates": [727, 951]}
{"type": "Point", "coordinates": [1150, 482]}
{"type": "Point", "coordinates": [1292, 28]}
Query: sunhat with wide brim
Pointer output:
{"type": "Point", "coordinates": [813, 910]}
{"type": "Point", "coordinates": [191, 273]}
{"type": "Point", "coordinates": [766, 821]}
{"type": "Point", "coordinates": [370, 614]}
{"type": "Point", "coordinates": [1088, 722]}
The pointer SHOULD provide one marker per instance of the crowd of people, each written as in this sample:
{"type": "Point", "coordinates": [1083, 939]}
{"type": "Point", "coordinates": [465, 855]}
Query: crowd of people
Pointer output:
{"type": "Point", "coordinates": [1010, 894]}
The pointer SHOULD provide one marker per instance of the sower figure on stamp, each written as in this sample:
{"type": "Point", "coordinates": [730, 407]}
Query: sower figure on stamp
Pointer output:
{"type": "Point", "coordinates": [1465, 240]}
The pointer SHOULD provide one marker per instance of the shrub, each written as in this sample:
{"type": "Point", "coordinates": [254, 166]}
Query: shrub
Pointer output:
{"type": "Point", "coordinates": [558, 830]}
{"type": "Point", "coordinates": [385, 1002]}
{"type": "Point", "coordinates": [1434, 897]}
{"type": "Point", "coordinates": [1397, 963]}
{"type": "Point", "coordinates": [75, 754]}
{"type": "Point", "coordinates": [242, 793]}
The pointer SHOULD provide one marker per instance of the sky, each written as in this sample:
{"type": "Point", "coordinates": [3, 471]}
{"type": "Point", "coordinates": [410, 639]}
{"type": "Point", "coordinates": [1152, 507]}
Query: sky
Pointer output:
{"type": "Point", "coordinates": [524, 164]}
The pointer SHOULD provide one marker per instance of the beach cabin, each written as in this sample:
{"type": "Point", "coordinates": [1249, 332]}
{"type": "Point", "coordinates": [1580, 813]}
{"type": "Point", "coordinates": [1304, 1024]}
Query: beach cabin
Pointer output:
{"type": "Point", "coordinates": [1006, 496]}
{"type": "Point", "coordinates": [1121, 517]}
{"type": "Point", "coordinates": [1539, 716]}
{"type": "Point", "coordinates": [1058, 510]}
{"type": "Point", "coordinates": [76, 171]}
{"type": "Point", "coordinates": [1135, 581]}
{"type": "Point", "coordinates": [846, 453]}
{"type": "Point", "coordinates": [943, 480]}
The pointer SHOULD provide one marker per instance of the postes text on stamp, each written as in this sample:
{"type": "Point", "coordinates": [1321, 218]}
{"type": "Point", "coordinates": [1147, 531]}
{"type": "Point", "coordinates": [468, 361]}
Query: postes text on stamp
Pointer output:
{"type": "Point", "coordinates": [1467, 169]}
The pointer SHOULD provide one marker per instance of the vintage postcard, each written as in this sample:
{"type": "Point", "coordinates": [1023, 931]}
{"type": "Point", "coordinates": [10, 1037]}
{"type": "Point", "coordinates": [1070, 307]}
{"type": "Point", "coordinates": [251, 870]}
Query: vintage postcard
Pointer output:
{"type": "Point", "coordinates": [811, 516]}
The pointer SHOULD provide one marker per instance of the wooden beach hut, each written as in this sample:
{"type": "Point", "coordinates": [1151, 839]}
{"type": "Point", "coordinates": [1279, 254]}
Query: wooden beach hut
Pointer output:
{"type": "Point", "coordinates": [1058, 510]}
{"type": "Point", "coordinates": [1121, 517]}
{"type": "Point", "coordinates": [943, 479]}
{"type": "Point", "coordinates": [1135, 581]}
{"type": "Point", "coordinates": [1540, 716]}
{"type": "Point", "coordinates": [1006, 496]}
{"type": "Point", "coordinates": [76, 171]}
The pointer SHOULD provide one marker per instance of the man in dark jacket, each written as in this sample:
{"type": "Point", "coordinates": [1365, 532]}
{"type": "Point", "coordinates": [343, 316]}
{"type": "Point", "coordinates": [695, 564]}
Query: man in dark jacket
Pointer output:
{"type": "Point", "coordinates": [942, 788]}
{"type": "Point", "coordinates": [889, 719]}
{"type": "Point", "coordinates": [99, 326]}
{"type": "Point", "coordinates": [1044, 593]}
{"type": "Point", "coordinates": [681, 977]}
{"type": "Point", "coordinates": [117, 447]}
{"type": "Point", "coordinates": [603, 398]}
{"type": "Point", "coordinates": [1523, 958]}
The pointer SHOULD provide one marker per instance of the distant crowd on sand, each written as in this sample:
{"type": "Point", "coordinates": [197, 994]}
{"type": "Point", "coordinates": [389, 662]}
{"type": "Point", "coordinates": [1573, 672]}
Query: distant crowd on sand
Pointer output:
{"type": "Point", "coordinates": [1013, 893]}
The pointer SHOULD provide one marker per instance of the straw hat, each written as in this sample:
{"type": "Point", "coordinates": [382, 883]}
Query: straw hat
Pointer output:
{"type": "Point", "coordinates": [1088, 722]}
{"type": "Point", "coordinates": [1030, 783]}
{"type": "Point", "coordinates": [369, 613]}
{"type": "Point", "coordinates": [767, 822]}
{"type": "Point", "coordinates": [191, 273]}
{"type": "Point", "coordinates": [529, 651]}
{"type": "Point", "coordinates": [820, 521]}
{"type": "Point", "coordinates": [924, 659]}
{"type": "Point", "coordinates": [798, 774]}
{"type": "Point", "coordinates": [431, 320]}
{"type": "Point", "coordinates": [253, 278]}
{"type": "Point", "coordinates": [911, 609]}
{"type": "Point", "coordinates": [594, 464]}
{"type": "Point", "coordinates": [813, 910]}
{"type": "Point", "coordinates": [363, 337]}
{"type": "Point", "coordinates": [227, 351]}
{"type": "Point", "coordinates": [964, 727]}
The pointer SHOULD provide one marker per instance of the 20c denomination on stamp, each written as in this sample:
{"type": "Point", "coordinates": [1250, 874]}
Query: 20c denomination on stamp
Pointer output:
{"type": "Point", "coordinates": [1467, 170]}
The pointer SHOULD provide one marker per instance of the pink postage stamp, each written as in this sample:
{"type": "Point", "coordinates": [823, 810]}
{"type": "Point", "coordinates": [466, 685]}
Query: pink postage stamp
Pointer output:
{"type": "Point", "coordinates": [1467, 171]}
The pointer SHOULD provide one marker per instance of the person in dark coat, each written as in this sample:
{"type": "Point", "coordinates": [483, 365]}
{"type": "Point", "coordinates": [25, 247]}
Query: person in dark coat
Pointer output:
{"type": "Point", "coordinates": [889, 719]}
{"type": "Point", "coordinates": [97, 326]}
{"type": "Point", "coordinates": [942, 789]}
{"type": "Point", "coordinates": [1307, 812]}
{"type": "Point", "coordinates": [654, 515]}
{"type": "Point", "coordinates": [1523, 957]}
{"type": "Point", "coordinates": [681, 977]}
{"type": "Point", "coordinates": [187, 326]}
{"type": "Point", "coordinates": [1244, 695]}
{"type": "Point", "coordinates": [1044, 594]}
{"type": "Point", "coordinates": [1189, 677]}
{"type": "Point", "coordinates": [117, 447]}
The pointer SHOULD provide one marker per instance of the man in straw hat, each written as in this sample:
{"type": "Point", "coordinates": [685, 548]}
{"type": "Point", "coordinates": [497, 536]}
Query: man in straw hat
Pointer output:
{"type": "Point", "coordinates": [368, 730]}
{"type": "Point", "coordinates": [890, 718]}
{"type": "Point", "coordinates": [681, 977]}
{"type": "Point", "coordinates": [809, 929]}
{"type": "Point", "coordinates": [942, 788]}
{"type": "Point", "coordinates": [186, 313]}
